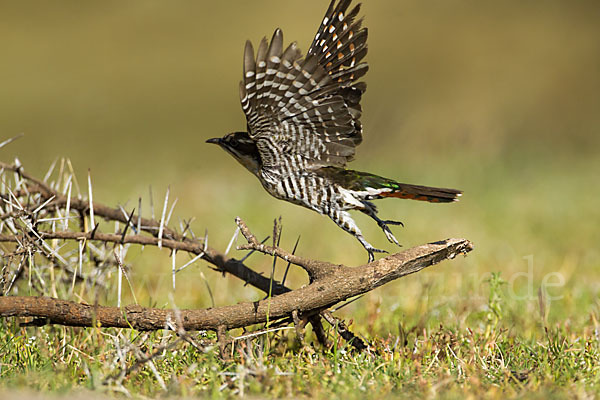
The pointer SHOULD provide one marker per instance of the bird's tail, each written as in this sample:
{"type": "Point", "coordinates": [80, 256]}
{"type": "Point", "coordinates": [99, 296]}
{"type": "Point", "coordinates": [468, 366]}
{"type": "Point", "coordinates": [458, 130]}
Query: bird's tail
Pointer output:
{"type": "Point", "coordinates": [423, 193]}
{"type": "Point", "coordinates": [377, 187]}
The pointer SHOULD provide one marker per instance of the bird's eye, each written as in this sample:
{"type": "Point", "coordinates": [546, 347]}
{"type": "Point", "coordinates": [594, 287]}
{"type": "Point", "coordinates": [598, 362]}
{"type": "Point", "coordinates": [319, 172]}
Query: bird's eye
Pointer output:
{"type": "Point", "coordinates": [233, 142]}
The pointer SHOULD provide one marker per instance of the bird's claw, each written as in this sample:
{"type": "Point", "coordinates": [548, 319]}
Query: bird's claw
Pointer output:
{"type": "Point", "coordinates": [390, 222]}
{"type": "Point", "coordinates": [388, 233]}
{"type": "Point", "coordinates": [372, 250]}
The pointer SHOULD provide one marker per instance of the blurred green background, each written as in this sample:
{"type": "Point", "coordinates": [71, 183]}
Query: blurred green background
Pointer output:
{"type": "Point", "coordinates": [497, 98]}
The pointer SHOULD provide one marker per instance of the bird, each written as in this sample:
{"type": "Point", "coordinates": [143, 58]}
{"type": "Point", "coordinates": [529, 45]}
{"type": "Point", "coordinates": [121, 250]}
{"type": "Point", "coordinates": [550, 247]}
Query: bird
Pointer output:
{"type": "Point", "coordinates": [303, 125]}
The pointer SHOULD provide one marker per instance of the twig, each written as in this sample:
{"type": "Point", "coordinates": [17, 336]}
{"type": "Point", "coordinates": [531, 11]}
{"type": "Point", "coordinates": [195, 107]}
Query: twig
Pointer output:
{"type": "Point", "coordinates": [315, 269]}
{"type": "Point", "coordinates": [344, 332]}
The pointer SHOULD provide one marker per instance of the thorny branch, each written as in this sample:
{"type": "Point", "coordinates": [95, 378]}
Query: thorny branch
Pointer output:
{"type": "Point", "coordinates": [222, 262]}
{"type": "Point", "coordinates": [329, 284]}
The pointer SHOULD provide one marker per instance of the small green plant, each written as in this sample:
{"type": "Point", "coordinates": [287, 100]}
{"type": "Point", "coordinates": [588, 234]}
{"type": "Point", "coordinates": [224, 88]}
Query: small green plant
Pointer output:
{"type": "Point", "coordinates": [495, 299]}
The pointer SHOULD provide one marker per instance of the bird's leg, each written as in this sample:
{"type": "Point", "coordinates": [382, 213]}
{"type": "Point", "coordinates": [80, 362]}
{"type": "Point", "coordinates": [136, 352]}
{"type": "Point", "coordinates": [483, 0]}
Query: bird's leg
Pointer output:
{"type": "Point", "coordinates": [371, 211]}
{"type": "Point", "coordinates": [345, 221]}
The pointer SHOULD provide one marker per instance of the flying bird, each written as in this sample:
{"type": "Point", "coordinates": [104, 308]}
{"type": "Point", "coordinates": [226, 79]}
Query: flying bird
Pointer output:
{"type": "Point", "coordinates": [303, 125]}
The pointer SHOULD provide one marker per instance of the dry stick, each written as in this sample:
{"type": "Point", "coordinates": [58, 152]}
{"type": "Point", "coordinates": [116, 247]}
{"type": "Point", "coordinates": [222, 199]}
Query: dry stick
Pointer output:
{"type": "Point", "coordinates": [319, 295]}
{"type": "Point", "coordinates": [299, 326]}
{"type": "Point", "coordinates": [223, 341]}
{"type": "Point", "coordinates": [315, 269]}
{"type": "Point", "coordinates": [319, 331]}
{"type": "Point", "coordinates": [344, 332]}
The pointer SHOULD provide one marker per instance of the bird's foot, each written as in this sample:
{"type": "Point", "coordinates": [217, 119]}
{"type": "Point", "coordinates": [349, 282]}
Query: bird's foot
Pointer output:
{"type": "Point", "coordinates": [388, 233]}
{"type": "Point", "coordinates": [369, 247]}
{"type": "Point", "coordinates": [371, 250]}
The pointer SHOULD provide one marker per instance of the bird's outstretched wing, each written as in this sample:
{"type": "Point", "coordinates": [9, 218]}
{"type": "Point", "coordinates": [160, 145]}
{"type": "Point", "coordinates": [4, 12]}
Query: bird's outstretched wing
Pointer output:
{"type": "Point", "coordinates": [308, 107]}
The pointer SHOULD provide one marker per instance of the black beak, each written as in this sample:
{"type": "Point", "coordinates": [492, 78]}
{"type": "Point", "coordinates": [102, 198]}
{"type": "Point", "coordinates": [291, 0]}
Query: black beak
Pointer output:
{"type": "Point", "coordinates": [216, 140]}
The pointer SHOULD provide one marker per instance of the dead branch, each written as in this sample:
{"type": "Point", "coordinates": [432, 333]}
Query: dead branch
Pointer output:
{"type": "Point", "coordinates": [331, 289]}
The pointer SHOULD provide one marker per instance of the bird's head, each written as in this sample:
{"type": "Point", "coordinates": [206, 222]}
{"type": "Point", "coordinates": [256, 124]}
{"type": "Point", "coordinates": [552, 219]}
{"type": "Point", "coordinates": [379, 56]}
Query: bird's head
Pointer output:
{"type": "Point", "coordinates": [242, 148]}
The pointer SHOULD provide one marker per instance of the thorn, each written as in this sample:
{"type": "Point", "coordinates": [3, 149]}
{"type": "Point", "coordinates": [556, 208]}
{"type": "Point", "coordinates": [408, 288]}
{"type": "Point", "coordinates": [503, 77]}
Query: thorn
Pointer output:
{"type": "Point", "coordinates": [80, 244]}
{"type": "Point", "coordinates": [348, 302]}
{"type": "Point", "coordinates": [74, 177]}
{"type": "Point", "coordinates": [127, 226]}
{"type": "Point", "coordinates": [173, 257]}
{"type": "Point", "coordinates": [233, 238]}
{"type": "Point", "coordinates": [171, 211]}
{"type": "Point", "coordinates": [38, 209]}
{"type": "Point", "coordinates": [67, 183]}
{"type": "Point", "coordinates": [193, 260]}
{"type": "Point", "coordinates": [94, 231]}
{"type": "Point", "coordinates": [162, 218]}
{"type": "Point", "coordinates": [92, 223]}
{"type": "Point", "coordinates": [59, 175]}
{"type": "Point", "coordinates": [212, 299]}
{"type": "Point", "coordinates": [68, 206]}
{"type": "Point", "coordinates": [50, 170]}
{"type": "Point", "coordinates": [139, 220]}
{"type": "Point", "coordinates": [120, 274]}
{"type": "Point", "coordinates": [276, 231]}
{"type": "Point", "coordinates": [187, 227]}
{"type": "Point", "coordinates": [289, 262]}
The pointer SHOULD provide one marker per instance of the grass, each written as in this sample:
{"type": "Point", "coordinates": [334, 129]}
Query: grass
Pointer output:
{"type": "Point", "coordinates": [485, 358]}
{"type": "Point", "coordinates": [518, 317]}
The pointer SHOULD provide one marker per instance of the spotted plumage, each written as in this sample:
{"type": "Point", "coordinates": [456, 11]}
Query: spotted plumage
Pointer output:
{"type": "Point", "coordinates": [303, 124]}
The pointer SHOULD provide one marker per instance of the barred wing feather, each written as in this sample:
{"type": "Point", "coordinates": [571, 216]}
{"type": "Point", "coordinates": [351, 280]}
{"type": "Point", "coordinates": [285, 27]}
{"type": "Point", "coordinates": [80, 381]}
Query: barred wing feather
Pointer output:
{"type": "Point", "coordinates": [307, 107]}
